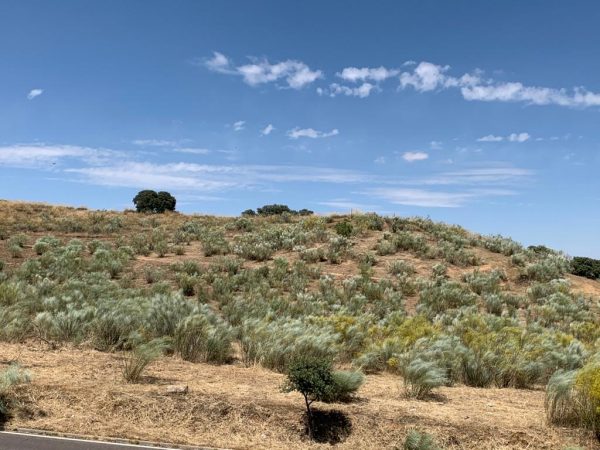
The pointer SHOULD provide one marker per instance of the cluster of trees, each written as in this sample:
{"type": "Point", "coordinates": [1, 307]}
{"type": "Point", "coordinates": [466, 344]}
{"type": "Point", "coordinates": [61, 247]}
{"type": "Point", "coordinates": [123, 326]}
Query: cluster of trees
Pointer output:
{"type": "Point", "coordinates": [586, 267]}
{"type": "Point", "coordinates": [275, 209]}
{"type": "Point", "coordinates": [149, 201]}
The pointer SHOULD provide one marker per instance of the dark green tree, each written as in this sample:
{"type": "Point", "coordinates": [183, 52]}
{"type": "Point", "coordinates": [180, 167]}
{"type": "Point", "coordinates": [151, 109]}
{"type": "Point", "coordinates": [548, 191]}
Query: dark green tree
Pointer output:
{"type": "Point", "coordinates": [166, 202]}
{"type": "Point", "coordinates": [313, 378]}
{"type": "Point", "coordinates": [586, 267]}
{"type": "Point", "coordinates": [150, 201]}
{"type": "Point", "coordinates": [272, 210]}
{"type": "Point", "coordinates": [145, 200]}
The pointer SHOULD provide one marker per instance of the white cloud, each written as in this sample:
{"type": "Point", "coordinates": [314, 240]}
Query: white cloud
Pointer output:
{"type": "Point", "coordinates": [297, 132]}
{"type": "Point", "coordinates": [480, 176]}
{"type": "Point", "coordinates": [421, 197]}
{"type": "Point", "coordinates": [207, 177]}
{"type": "Point", "coordinates": [345, 204]}
{"type": "Point", "coordinates": [513, 137]}
{"type": "Point", "coordinates": [518, 137]}
{"type": "Point", "coordinates": [517, 92]}
{"type": "Point", "coordinates": [267, 130]}
{"type": "Point", "coordinates": [435, 145]}
{"type": "Point", "coordinates": [380, 160]}
{"type": "Point", "coordinates": [154, 143]}
{"type": "Point", "coordinates": [425, 77]}
{"type": "Point", "coordinates": [295, 73]}
{"type": "Point", "coordinates": [428, 77]}
{"type": "Point", "coordinates": [193, 151]}
{"type": "Point", "coordinates": [219, 63]}
{"type": "Point", "coordinates": [138, 175]}
{"type": "Point", "coordinates": [34, 93]}
{"type": "Point", "coordinates": [362, 91]}
{"type": "Point", "coordinates": [239, 125]}
{"type": "Point", "coordinates": [414, 156]}
{"type": "Point", "coordinates": [376, 74]}
{"type": "Point", "coordinates": [490, 138]}
{"type": "Point", "coordinates": [46, 156]}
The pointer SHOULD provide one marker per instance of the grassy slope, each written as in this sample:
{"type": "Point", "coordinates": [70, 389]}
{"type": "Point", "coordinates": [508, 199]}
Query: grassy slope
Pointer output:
{"type": "Point", "coordinates": [235, 406]}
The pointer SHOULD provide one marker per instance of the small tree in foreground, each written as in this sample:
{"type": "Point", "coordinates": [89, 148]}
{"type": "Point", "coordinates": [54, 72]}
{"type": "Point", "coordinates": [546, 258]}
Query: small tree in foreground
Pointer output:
{"type": "Point", "coordinates": [316, 381]}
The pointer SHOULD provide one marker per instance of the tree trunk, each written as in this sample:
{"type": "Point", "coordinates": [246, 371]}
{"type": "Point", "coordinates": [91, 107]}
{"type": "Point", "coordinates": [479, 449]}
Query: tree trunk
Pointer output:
{"type": "Point", "coordinates": [309, 416]}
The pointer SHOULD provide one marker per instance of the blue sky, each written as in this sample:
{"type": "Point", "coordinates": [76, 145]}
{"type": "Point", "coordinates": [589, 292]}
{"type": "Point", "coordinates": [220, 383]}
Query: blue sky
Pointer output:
{"type": "Point", "coordinates": [483, 114]}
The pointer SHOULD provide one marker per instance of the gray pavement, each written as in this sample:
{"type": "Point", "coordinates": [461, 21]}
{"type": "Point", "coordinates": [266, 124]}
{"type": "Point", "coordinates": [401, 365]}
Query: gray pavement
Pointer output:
{"type": "Point", "coordinates": [22, 441]}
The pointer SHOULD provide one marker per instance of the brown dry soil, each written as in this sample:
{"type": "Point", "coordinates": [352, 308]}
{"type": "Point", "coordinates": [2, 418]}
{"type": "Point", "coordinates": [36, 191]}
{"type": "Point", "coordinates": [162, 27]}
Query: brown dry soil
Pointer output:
{"type": "Point", "coordinates": [82, 391]}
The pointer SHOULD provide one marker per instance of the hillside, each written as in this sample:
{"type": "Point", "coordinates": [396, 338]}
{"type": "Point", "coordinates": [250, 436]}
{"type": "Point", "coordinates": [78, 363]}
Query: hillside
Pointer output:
{"type": "Point", "coordinates": [80, 290]}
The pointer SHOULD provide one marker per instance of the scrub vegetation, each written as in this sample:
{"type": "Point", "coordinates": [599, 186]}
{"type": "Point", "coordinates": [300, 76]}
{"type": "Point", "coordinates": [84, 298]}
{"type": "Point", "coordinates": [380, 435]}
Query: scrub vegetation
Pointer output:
{"type": "Point", "coordinates": [328, 302]}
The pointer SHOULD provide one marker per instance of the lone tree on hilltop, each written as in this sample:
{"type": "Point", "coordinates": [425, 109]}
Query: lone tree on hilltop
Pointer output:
{"type": "Point", "coordinates": [153, 202]}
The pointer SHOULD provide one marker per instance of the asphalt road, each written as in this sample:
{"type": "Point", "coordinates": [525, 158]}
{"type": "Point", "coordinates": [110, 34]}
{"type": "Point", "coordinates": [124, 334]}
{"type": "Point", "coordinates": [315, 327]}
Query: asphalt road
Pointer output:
{"type": "Point", "coordinates": [22, 441]}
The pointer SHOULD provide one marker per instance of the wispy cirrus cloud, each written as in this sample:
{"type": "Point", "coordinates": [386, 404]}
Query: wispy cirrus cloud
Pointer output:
{"type": "Point", "coordinates": [209, 177]}
{"type": "Point", "coordinates": [46, 156]}
{"type": "Point", "coordinates": [34, 93]}
{"type": "Point", "coordinates": [239, 125]}
{"type": "Point", "coordinates": [105, 167]}
{"type": "Point", "coordinates": [193, 151]}
{"type": "Point", "coordinates": [155, 143]}
{"type": "Point", "coordinates": [295, 74]}
{"type": "Point", "coordinates": [297, 133]}
{"type": "Point", "coordinates": [484, 176]}
{"type": "Point", "coordinates": [513, 137]}
{"type": "Point", "coordinates": [347, 204]}
{"type": "Point", "coordinates": [422, 197]}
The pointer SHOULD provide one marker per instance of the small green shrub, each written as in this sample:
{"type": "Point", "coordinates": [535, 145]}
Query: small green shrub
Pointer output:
{"type": "Point", "coordinates": [345, 385]}
{"type": "Point", "coordinates": [152, 274]}
{"type": "Point", "coordinates": [140, 357]}
{"type": "Point", "coordinates": [421, 377]}
{"type": "Point", "coordinates": [385, 247]}
{"type": "Point", "coordinates": [13, 376]}
{"type": "Point", "coordinates": [15, 251]}
{"type": "Point", "coordinates": [188, 284]}
{"type": "Point", "coordinates": [344, 228]}
{"type": "Point", "coordinates": [161, 248]}
{"type": "Point", "coordinates": [196, 339]}
{"type": "Point", "coordinates": [401, 267]}
{"type": "Point", "coordinates": [417, 440]}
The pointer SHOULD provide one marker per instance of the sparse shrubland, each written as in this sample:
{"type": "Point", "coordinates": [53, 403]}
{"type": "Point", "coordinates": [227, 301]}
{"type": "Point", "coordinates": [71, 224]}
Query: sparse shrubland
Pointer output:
{"type": "Point", "coordinates": [11, 377]}
{"type": "Point", "coordinates": [396, 295]}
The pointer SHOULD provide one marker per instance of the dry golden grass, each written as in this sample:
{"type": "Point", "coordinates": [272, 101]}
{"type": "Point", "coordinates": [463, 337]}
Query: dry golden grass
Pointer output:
{"type": "Point", "coordinates": [82, 391]}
